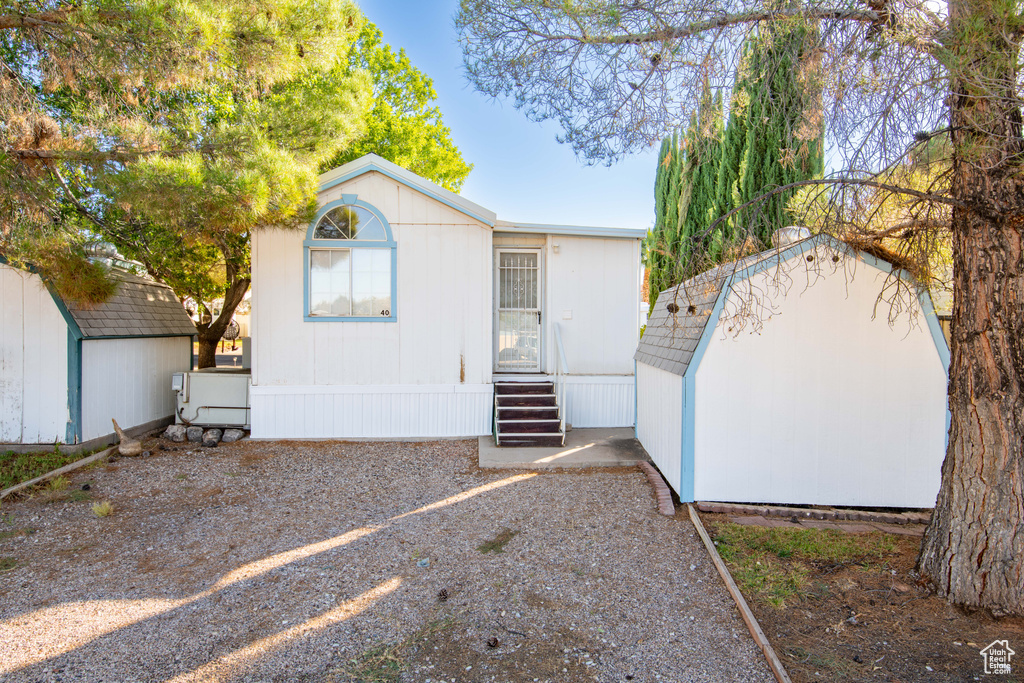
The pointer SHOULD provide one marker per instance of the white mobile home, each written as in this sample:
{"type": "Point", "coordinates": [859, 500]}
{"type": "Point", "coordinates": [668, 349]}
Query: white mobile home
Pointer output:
{"type": "Point", "coordinates": [401, 305]}
{"type": "Point", "coordinates": [67, 370]}
{"type": "Point", "coordinates": [783, 378]}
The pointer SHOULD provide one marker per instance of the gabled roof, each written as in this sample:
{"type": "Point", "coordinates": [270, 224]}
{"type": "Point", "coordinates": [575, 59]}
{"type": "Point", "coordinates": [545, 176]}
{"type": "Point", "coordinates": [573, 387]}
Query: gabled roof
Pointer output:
{"type": "Point", "coordinates": [139, 308]}
{"type": "Point", "coordinates": [372, 163]}
{"type": "Point", "coordinates": [671, 338]}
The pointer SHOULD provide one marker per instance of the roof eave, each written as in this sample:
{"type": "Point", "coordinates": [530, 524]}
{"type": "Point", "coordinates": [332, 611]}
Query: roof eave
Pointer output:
{"type": "Point", "coordinates": [372, 163]}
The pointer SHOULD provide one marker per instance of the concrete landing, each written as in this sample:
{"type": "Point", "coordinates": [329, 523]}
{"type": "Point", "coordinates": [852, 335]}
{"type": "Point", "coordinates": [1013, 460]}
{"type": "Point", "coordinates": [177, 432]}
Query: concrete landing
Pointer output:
{"type": "Point", "coordinates": [583, 448]}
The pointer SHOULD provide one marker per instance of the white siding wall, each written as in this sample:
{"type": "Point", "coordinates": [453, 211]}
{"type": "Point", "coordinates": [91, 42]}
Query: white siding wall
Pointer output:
{"type": "Point", "coordinates": [600, 401]}
{"type": "Point", "coordinates": [597, 282]}
{"type": "Point", "coordinates": [443, 307]}
{"type": "Point", "coordinates": [371, 412]}
{"type": "Point", "coordinates": [33, 361]}
{"type": "Point", "coordinates": [129, 380]}
{"type": "Point", "coordinates": [823, 405]}
{"type": "Point", "coordinates": [659, 419]}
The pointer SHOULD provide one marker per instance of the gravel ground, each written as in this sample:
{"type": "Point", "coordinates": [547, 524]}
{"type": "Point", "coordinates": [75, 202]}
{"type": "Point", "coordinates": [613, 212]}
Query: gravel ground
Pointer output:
{"type": "Point", "coordinates": [286, 561]}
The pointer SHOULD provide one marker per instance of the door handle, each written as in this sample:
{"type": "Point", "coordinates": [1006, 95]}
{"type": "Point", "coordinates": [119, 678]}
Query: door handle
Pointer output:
{"type": "Point", "coordinates": [538, 317]}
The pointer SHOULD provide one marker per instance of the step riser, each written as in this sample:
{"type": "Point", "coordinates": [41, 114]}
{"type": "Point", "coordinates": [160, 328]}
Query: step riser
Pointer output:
{"type": "Point", "coordinates": [531, 426]}
{"type": "Point", "coordinates": [524, 388]}
{"type": "Point", "coordinates": [532, 414]}
{"type": "Point", "coordinates": [537, 440]}
{"type": "Point", "coordinates": [540, 400]}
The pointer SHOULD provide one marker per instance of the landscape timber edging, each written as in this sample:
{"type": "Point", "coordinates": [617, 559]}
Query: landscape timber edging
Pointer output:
{"type": "Point", "coordinates": [70, 467]}
{"type": "Point", "coordinates": [774, 663]}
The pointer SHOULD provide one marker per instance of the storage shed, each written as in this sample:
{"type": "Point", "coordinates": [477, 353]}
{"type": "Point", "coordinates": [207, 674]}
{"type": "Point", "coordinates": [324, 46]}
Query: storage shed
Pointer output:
{"type": "Point", "coordinates": [66, 370]}
{"type": "Point", "coordinates": [807, 374]}
{"type": "Point", "coordinates": [401, 307]}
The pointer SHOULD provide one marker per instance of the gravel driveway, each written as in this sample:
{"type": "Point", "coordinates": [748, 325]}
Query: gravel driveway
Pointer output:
{"type": "Point", "coordinates": [343, 561]}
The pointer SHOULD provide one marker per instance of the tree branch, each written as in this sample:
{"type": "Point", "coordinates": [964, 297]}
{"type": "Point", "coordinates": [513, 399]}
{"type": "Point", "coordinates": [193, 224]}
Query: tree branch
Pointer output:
{"type": "Point", "coordinates": [121, 156]}
{"type": "Point", "coordinates": [720, 22]}
{"type": "Point", "coordinates": [939, 199]}
{"type": "Point", "coordinates": [61, 18]}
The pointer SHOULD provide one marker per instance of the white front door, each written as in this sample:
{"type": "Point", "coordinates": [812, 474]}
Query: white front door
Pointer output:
{"type": "Point", "coordinates": [518, 310]}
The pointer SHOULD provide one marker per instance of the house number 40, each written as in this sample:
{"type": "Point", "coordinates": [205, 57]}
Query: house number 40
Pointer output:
{"type": "Point", "coordinates": [385, 312]}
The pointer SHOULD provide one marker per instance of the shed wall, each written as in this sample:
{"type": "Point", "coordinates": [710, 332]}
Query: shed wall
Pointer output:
{"type": "Point", "coordinates": [129, 380]}
{"type": "Point", "coordinates": [659, 419]}
{"type": "Point", "coordinates": [33, 361]}
{"type": "Point", "coordinates": [825, 403]}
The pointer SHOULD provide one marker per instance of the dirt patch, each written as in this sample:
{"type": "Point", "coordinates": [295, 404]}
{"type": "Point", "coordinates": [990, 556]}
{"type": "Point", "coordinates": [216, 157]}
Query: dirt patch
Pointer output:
{"type": "Point", "coordinates": [863, 618]}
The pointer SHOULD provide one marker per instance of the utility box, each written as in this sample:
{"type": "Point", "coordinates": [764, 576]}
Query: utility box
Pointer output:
{"type": "Point", "coordinates": [212, 398]}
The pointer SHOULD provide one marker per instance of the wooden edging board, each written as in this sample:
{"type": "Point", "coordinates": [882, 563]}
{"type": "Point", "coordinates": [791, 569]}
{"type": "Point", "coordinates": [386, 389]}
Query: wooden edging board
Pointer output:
{"type": "Point", "coordinates": [748, 617]}
{"type": "Point", "coordinates": [96, 457]}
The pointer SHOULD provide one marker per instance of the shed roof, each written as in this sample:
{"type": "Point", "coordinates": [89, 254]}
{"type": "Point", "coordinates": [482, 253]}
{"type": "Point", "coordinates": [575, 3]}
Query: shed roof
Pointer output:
{"type": "Point", "coordinates": [139, 308]}
{"type": "Point", "coordinates": [670, 338]}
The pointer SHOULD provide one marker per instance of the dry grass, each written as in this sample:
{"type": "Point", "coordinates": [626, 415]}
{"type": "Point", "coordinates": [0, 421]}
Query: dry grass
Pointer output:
{"type": "Point", "coordinates": [102, 509]}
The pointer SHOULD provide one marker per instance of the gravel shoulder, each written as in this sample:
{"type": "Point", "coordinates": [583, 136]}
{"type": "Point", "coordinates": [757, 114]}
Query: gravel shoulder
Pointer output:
{"type": "Point", "coordinates": [267, 561]}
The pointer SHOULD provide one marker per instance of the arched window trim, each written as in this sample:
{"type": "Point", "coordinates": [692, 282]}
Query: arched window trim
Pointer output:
{"type": "Point", "coordinates": [310, 241]}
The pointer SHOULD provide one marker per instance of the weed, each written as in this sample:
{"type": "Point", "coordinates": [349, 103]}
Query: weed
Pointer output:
{"type": "Point", "coordinates": [79, 496]}
{"type": "Point", "coordinates": [18, 467]}
{"type": "Point", "coordinates": [498, 543]}
{"type": "Point", "coordinates": [7, 564]}
{"type": "Point", "coordinates": [384, 663]}
{"type": "Point", "coordinates": [58, 483]}
{"type": "Point", "coordinates": [102, 509]}
{"type": "Point", "coordinates": [14, 533]}
{"type": "Point", "coordinates": [181, 477]}
{"type": "Point", "coordinates": [379, 664]}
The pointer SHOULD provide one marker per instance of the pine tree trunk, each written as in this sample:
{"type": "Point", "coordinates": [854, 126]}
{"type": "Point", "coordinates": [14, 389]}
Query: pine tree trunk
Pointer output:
{"type": "Point", "coordinates": [973, 550]}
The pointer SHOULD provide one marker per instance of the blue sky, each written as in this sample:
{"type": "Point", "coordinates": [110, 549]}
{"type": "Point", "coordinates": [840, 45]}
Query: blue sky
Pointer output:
{"type": "Point", "coordinates": [520, 171]}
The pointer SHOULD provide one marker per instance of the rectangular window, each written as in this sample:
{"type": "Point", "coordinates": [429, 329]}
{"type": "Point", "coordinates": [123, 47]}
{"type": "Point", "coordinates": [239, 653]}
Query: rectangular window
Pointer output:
{"type": "Point", "coordinates": [352, 282]}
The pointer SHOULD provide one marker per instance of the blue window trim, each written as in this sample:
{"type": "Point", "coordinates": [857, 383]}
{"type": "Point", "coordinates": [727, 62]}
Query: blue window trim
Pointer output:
{"type": "Point", "coordinates": [390, 243]}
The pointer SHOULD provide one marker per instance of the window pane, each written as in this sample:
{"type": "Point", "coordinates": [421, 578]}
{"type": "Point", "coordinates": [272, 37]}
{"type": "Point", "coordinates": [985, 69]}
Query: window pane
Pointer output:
{"type": "Point", "coordinates": [350, 282]}
{"type": "Point", "coordinates": [349, 222]}
{"type": "Point", "coordinates": [329, 282]}
{"type": "Point", "coordinates": [371, 282]}
{"type": "Point", "coordinates": [371, 230]}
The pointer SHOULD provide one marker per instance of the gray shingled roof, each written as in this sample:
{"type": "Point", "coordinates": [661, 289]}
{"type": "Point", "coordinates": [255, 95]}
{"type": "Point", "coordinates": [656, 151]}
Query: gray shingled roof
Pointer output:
{"type": "Point", "coordinates": [670, 338]}
{"type": "Point", "coordinates": [139, 308]}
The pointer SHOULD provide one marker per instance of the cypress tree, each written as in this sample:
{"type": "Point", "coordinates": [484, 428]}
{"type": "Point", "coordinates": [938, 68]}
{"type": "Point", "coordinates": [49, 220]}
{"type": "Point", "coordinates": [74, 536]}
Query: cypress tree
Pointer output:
{"type": "Point", "coordinates": [662, 241]}
{"type": "Point", "coordinates": [784, 133]}
{"type": "Point", "coordinates": [704, 139]}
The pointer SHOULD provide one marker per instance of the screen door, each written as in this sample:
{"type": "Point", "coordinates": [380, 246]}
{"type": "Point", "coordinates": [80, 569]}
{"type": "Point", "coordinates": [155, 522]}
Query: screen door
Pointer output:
{"type": "Point", "coordinates": [518, 315]}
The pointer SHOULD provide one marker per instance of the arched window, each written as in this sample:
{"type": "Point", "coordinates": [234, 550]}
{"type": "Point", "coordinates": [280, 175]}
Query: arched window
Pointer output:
{"type": "Point", "coordinates": [350, 264]}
